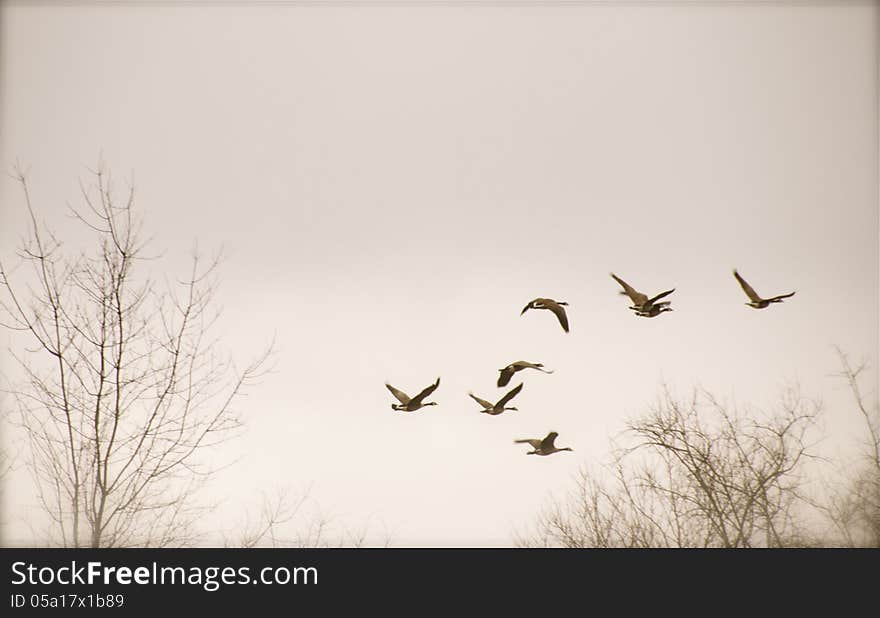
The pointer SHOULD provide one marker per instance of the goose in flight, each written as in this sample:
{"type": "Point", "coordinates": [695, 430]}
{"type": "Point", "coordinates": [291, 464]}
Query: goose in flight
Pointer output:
{"type": "Point", "coordinates": [756, 302]}
{"type": "Point", "coordinates": [411, 404]}
{"type": "Point", "coordinates": [641, 304]}
{"type": "Point", "coordinates": [512, 368]}
{"type": "Point", "coordinates": [497, 408]}
{"type": "Point", "coordinates": [552, 305]}
{"type": "Point", "coordinates": [543, 447]}
{"type": "Point", "coordinates": [654, 311]}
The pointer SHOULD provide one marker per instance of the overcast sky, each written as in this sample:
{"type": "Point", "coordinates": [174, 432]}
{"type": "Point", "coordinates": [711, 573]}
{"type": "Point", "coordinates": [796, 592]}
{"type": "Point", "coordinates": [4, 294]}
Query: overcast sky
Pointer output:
{"type": "Point", "coordinates": [393, 184]}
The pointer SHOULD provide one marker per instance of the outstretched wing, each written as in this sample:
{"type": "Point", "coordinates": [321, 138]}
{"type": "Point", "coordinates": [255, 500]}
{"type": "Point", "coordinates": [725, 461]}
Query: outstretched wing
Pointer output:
{"type": "Point", "coordinates": [538, 366]}
{"type": "Point", "coordinates": [536, 444]}
{"type": "Point", "coordinates": [660, 295]}
{"type": "Point", "coordinates": [750, 292]}
{"type": "Point", "coordinates": [547, 443]}
{"type": "Point", "coordinates": [636, 297]}
{"type": "Point", "coordinates": [427, 391]}
{"type": "Point", "coordinates": [775, 298]}
{"type": "Point", "coordinates": [506, 374]}
{"type": "Point", "coordinates": [486, 405]}
{"type": "Point", "coordinates": [510, 395]}
{"type": "Point", "coordinates": [559, 310]}
{"type": "Point", "coordinates": [401, 396]}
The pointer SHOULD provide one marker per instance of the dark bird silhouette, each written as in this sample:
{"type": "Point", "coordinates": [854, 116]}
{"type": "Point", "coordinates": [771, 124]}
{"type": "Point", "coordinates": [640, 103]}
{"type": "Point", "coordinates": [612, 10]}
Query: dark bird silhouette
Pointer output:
{"type": "Point", "coordinates": [756, 302]}
{"type": "Point", "coordinates": [497, 408]}
{"type": "Point", "coordinates": [512, 368]}
{"type": "Point", "coordinates": [411, 404]}
{"type": "Point", "coordinates": [654, 311]}
{"type": "Point", "coordinates": [552, 305]}
{"type": "Point", "coordinates": [543, 447]}
{"type": "Point", "coordinates": [643, 306]}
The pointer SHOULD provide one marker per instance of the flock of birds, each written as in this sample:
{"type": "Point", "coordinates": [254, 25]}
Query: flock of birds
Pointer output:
{"type": "Point", "coordinates": [642, 305]}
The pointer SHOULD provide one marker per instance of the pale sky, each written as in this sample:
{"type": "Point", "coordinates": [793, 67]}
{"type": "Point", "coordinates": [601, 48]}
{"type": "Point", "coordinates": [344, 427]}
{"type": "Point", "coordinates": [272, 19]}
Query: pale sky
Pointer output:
{"type": "Point", "coordinates": [393, 183]}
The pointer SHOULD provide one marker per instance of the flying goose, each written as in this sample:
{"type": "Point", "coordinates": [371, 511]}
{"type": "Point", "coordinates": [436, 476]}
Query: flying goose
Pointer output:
{"type": "Point", "coordinates": [512, 368]}
{"type": "Point", "coordinates": [654, 311]}
{"type": "Point", "coordinates": [642, 305]}
{"type": "Point", "coordinates": [552, 305]}
{"type": "Point", "coordinates": [411, 404]}
{"type": "Point", "coordinates": [497, 408]}
{"type": "Point", "coordinates": [543, 447]}
{"type": "Point", "coordinates": [756, 302]}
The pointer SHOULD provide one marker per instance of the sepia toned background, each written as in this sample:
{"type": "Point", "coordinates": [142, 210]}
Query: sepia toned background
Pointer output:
{"type": "Point", "coordinates": [392, 183]}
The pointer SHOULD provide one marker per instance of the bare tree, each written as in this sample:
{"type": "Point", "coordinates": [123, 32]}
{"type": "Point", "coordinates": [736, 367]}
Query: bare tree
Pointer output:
{"type": "Point", "coordinates": [123, 385]}
{"type": "Point", "coordinates": [693, 474]}
{"type": "Point", "coordinates": [276, 512]}
{"type": "Point", "coordinates": [853, 506]}
{"type": "Point", "coordinates": [283, 522]}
